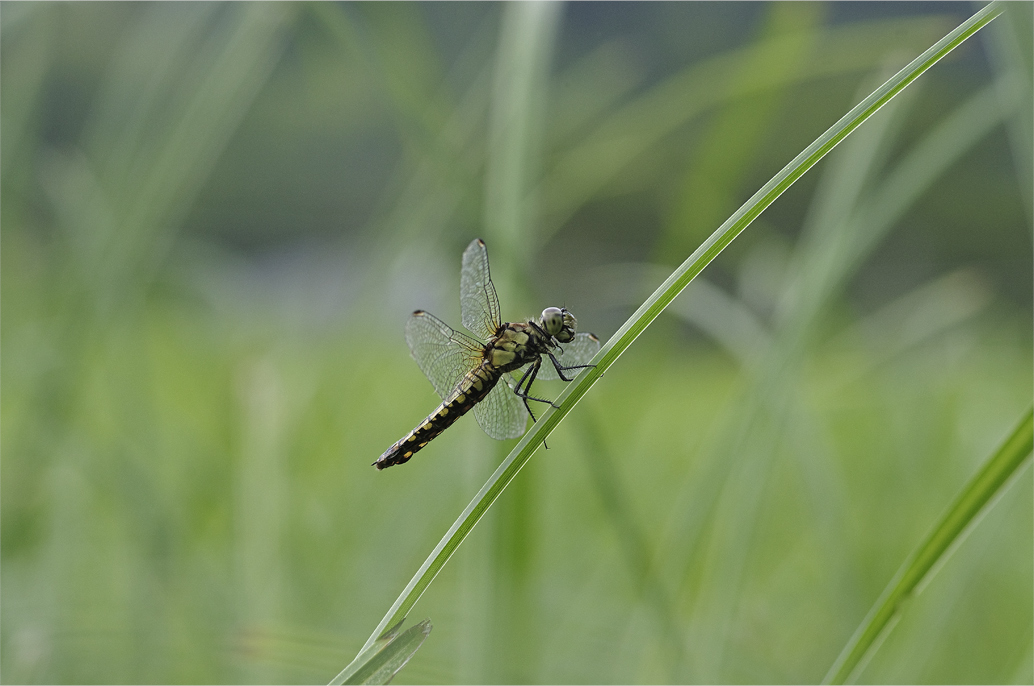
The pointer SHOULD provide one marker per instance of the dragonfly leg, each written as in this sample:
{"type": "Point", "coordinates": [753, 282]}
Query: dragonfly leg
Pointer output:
{"type": "Point", "coordinates": [560, 369]}
{"type": "Point", "coordinates": [526, 381]}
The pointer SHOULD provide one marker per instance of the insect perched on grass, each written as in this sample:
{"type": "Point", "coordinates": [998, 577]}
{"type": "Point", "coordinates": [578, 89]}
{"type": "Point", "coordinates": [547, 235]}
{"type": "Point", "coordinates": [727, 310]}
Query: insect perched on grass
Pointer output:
{"type": "Point", "coordinates": [466, 371]}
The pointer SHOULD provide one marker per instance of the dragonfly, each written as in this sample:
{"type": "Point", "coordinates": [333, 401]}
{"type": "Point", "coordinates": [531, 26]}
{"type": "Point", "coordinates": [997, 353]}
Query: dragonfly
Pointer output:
{"type": "Point", "coordinates": [492, 371]}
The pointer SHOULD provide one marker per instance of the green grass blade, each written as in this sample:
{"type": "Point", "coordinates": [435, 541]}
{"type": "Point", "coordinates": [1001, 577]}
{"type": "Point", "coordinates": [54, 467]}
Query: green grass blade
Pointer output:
{"type": "Point", "coordinates": [656, 303]}
{"type": "Point", "coordinates": [390, 653]}
{"type": "Point", "coordinates": [989, 483]}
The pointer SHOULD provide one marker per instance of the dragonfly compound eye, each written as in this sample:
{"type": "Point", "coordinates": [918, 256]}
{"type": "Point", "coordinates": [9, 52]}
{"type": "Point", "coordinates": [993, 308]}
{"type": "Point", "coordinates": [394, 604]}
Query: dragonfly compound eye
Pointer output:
{"type": "Point", "coordinates": [566, 333]}
{"type": "Point", "coordinates": [552, 320]}
{"type": "Point", "coordinates": [569, 321]}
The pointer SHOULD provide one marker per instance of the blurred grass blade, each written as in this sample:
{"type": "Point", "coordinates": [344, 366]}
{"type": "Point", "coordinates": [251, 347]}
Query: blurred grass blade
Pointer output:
{"type": "Point", "coordinates": [527, 36]}
{"type": "Point", "coordinates": [656, 303]}
{"type": "Point", "coordinates": [150, 150]}
{"type": "Point", "coordinates": [635, 543]}
{"type": "Point", "coordinates": [727, 154]}
{"type": "Point", "coordinates": [585, 169]}
{"type": "Point", "coordinates": [390, 653]}
{"type": "Point", "coordinates": [989, 483]}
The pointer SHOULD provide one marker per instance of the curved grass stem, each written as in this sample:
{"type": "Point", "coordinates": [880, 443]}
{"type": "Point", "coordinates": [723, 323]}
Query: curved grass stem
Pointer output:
{"type": "Point", "coordinates": [650, 310]}
{"type": "Point", "coordinates": [920, 566]}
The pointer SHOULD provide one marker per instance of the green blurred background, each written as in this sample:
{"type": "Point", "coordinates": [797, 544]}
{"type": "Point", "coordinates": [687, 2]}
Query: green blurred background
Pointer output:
{"type": "Point", "coordinates": [217, 217]}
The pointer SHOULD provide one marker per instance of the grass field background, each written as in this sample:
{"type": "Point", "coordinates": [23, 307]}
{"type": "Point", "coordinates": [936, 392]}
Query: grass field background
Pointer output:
{"type": "Point", "coordinates": [217, 217]}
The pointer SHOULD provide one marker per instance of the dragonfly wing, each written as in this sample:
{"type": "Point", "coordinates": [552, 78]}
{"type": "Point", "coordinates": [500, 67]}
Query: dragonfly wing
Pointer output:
{"type": "Point", "coordinates": [578, 351]}
{"type": "Point", "coordinates": [479, 304]}
{"type": "Point", "coordinates": [501, 414]}
{"type": "Point", "coordinates": [443, 354]}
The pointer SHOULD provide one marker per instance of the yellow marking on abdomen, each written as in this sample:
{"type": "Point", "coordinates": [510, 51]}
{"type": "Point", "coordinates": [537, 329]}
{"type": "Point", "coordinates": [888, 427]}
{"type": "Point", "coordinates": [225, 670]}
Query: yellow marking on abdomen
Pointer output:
{"type": "Point", "coordinates": [475, 388]}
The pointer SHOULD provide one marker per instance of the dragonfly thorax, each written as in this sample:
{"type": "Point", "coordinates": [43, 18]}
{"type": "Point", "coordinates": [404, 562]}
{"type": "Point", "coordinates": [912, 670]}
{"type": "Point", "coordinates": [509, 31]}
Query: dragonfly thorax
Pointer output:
{"type": "Point", "coordinates": [515, 345]}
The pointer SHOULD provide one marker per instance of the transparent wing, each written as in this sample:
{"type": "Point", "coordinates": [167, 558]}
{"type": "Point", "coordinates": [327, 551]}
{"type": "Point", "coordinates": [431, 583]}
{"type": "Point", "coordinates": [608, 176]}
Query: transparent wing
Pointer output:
{"type": "Point", "coordinates": [479, 304]}
{"type": "Point", "coordinates": [501, 414]}
{"type": "Point", "coordinates": [443, 354]}
{"type": "Point", "coordinates": [580, 350]}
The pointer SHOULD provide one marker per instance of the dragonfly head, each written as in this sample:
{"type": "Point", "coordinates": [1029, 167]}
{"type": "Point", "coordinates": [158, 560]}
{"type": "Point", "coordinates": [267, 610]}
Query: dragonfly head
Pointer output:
{"type": "Point", "coordinates": [559, 323]}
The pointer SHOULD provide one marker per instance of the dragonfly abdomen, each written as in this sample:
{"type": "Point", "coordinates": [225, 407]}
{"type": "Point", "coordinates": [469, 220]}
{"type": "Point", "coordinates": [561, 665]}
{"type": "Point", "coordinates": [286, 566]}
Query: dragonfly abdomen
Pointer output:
{"type": "Point", "coordinates": [472, 390]}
